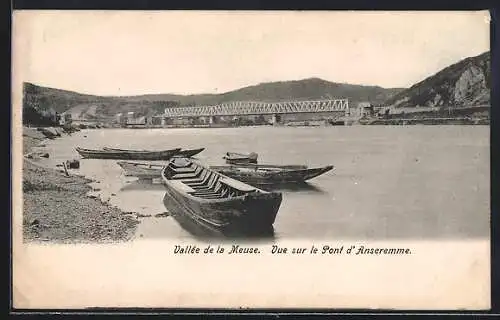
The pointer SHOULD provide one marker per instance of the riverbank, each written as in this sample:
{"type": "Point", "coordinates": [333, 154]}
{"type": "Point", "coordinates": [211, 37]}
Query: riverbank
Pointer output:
{"type": "Point", "coordinates": [58, 208]}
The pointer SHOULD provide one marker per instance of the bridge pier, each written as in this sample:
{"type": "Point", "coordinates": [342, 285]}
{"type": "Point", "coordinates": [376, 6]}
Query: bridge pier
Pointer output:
{"type": "Point", "coordinates": [211, 120]}
{"type": "Point", "coordinates": [276, 119]}
{"type": "Point", "coordinates": [163, 121]}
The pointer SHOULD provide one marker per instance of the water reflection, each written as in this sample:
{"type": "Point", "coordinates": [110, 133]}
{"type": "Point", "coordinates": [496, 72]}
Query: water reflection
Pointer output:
{"type": "Point", "coordinates": [202, 232]}
{"type": "Point", "coordinates": [378, 191]}
{"type": "Point", "coordinates": [297, 187]}
{"type": "Point", "coordinates": [146, 185]}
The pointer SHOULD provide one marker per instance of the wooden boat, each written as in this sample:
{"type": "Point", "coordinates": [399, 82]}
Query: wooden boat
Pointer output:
{"type": "Point", "coordinates": [256, 175]}
{"type": "Point", "coordinates": [215, 201]}
{"type": "Point", "coordinates": [187, 153]}
{"type": "Point", "coordinates": [266, 175]}
{"type": "Point", "coordinates": [127, 155]}
{"type": "Point", "coordinates": [141, 170]}
{"type": "Point", "coordinates": [269, 166]}
{"type": "Point", "coordinates": [233, 157]}
{"type": "Point", "coordinates": [253, 174]}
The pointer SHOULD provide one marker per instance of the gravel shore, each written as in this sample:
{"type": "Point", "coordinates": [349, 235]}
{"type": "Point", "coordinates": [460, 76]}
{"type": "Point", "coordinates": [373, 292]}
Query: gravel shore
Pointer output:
{"type": "Point", "coordinates": [57, 207]}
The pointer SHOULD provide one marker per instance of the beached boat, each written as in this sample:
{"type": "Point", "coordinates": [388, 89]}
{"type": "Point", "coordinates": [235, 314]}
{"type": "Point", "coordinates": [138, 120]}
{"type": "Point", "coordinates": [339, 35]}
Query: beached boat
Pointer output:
{"type": "Point", "coordinates": [215, 201]}
{"type": "Point", "coordinates": [127, 155]}
{"type": "Point", "coordinates": [233, 157]}
{"type": "Point", "coordinates": [253, 174]}
{"type": "Point", "coordinates": [187, 153]}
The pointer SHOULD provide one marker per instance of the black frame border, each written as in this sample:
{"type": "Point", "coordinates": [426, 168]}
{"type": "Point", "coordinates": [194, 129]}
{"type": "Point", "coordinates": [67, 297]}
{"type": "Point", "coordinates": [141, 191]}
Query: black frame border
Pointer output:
{"type": "Point", "coordinates": [425, 5]}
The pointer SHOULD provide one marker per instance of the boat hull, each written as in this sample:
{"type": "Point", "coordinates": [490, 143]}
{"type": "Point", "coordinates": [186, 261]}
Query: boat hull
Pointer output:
{"type": "Point", "coordinates": [252, 211]}
{"type": "Point", "coordinates": [125, 155]}
{"type": "Point", "coordinates": [189, 153]}
{"type": "Point", "coordinates": [259, 177]}
{"type": "Point", "coordinates": [182, 153]}
{"type": "Point", "coordinates": [244, 217]}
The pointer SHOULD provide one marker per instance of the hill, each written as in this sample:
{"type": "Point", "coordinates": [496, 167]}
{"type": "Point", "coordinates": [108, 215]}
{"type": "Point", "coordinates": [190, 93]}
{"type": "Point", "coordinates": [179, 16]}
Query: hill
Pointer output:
{"type": "Point", "coordinates": [465, 83]}
{"type": "Point", "coordinates": [91, 106]}
{"type": "Point", "coordinates": [307, 89]}
{"type": "Point", "coordinates": [44, 98]}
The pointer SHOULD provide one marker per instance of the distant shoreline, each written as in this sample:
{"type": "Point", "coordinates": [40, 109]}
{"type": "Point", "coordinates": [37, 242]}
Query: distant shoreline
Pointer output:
{"type": "Point", "coordinates": [362, 122]}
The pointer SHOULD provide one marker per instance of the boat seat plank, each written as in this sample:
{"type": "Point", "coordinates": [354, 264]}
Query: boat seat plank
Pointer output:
{"type": "Point", "coordinates": [219, 189]}
{"type": "Point", "coordinates": [214, 188]}
{"type": "Point", "coordinates": [192, 175]}
{"type": "Point", "coordinates": [200, 182]}
{"type": "Point", "coordinates": [184, 177]}
{"type": "Point", "coordinates": [204, 193]}
{"type": "Point", "coordinates": [237, 184]}
{"type": "Point", "coordinates": [181, 186]}
{"type": "Point", "coordinates": [185, 170]}
{"type": "Point", "coordinates": [209, 184]}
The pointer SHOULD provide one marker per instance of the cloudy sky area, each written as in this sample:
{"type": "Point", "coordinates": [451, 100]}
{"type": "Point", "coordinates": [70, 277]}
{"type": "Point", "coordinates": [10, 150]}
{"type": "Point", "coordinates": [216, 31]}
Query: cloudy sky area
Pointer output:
{"type": "Point", "coordinates": [127, 53]}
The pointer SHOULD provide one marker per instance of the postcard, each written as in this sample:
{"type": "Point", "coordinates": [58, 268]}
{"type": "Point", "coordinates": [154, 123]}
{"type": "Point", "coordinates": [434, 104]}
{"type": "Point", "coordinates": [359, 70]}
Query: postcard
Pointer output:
{"type": "Point", "coordinates": [251, 159]}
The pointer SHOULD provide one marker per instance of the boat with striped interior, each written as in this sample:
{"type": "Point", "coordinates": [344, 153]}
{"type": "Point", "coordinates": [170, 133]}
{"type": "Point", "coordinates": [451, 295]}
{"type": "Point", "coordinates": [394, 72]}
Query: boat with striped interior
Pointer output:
{"type": "Point", "coordinates": [215, 201]}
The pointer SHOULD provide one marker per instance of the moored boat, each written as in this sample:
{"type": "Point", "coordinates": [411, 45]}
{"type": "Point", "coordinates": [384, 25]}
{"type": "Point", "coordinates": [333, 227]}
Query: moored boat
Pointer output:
{"type": "Point", "coordinates": [215, 201]}
{"type": "Point", "coordinates": [269, 166]}
{"type": "Point", "coordinates": [233, 157]}
{"type": "Point", "coordinates": [141, 170]}
{"type": "Point", "coordinates": [253, 174]}
{"type": "Point", "coordinates": [127, 155]}
{"type": "Point", "coordinates": [264, 175]}
{"type": "Point", "coordinates": [187, 153]}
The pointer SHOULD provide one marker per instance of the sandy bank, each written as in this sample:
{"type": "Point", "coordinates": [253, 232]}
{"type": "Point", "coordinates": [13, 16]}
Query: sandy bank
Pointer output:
{"type": "Point", "coordinates": [57, 208]}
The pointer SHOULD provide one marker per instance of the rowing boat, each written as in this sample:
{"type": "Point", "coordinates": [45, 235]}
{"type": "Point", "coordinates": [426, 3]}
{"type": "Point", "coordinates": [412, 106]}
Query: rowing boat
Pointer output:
{"type": "Point", "coordinates": [127, 155]}
{"type": "Point", "coordinates": [215, 201]}
{"type": "Point", "coordinates": [269, 166]}
{"type": "Point", "coordinates": [187, 153]}
{"type": "Point", "coordinates": [257, 175]}
{"type": "Point", "coordinates": [264, 175]}
{"type": "Point", "coordinates": [141, 170]}
{"type": "Point", "coordinates": [236, 158]}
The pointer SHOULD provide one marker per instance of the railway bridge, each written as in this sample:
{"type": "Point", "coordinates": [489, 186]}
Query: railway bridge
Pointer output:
{"type": "Point", "coordinates": [334, 107]}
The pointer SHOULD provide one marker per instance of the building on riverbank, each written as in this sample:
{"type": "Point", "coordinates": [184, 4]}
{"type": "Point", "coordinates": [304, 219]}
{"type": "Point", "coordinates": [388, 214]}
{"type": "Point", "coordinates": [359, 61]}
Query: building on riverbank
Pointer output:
{"type": "Point", "coordinates": [66, 119]}
{"type": "Point", "coordinates": [120, 119]}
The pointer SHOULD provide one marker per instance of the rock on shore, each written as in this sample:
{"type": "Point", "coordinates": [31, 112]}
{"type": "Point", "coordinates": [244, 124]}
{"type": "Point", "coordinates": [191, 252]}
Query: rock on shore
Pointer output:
{"type": "Point", "coordinates": [57, 208]}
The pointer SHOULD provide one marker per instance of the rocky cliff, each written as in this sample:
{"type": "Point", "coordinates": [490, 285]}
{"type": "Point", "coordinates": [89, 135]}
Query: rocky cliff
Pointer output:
{"type": "Point", "coordinates": [465, 83]}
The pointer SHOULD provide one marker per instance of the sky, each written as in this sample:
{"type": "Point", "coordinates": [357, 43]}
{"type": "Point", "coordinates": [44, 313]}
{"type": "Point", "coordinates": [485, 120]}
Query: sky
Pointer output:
{"type": "Point", "coordinates": [130, 53]}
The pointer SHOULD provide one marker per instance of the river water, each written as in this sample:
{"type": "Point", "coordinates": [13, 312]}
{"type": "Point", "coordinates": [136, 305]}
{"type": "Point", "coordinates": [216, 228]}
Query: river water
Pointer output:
{"type": "Point", "coordinates": [389, 182]}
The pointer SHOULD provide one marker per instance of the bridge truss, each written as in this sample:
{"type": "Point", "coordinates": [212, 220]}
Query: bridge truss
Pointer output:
{"type": "Point", "coordinates": [256, 108]}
